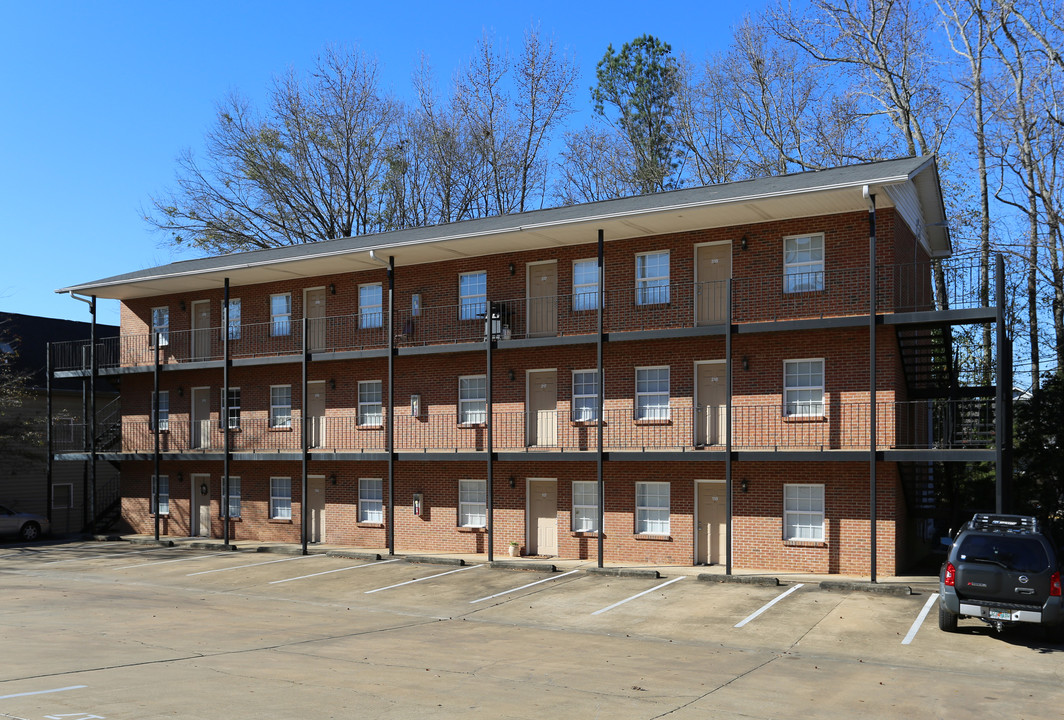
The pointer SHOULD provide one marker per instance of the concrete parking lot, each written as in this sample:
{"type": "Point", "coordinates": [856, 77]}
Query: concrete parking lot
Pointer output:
{"type": "Point", "coordinates": [121, 630]}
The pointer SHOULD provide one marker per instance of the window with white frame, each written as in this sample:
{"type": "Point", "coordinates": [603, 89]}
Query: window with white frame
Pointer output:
{"type": "Point", "coordinates": [803, 512]}
{"type": "Point", "coordinates": [652, 278]}
{"type": "Point", "coordinates": [472, 295]}
{"type": "Point", "coordinates": [652, 393]}
{"type": "Point", "coordinates": [160, 324]}
{"type": "Point", "coordinates": [160, 484]}
{"type": "Point", "coordinates": [280, 314]}
{"type": "Point", "coordinates": [234, 495]}
{"type": "Point", "coordinates": [585, 284]}
{"type": "Point", "coordinates": [585, 395]}
{"type": "Point", "coordinates": [280, 498]}
{"type": "Point", "coordinates": [280, 406]}
{"type": "Point", "coordinates": [234, 319]}
{"type": "Point", "coordinates": [370, 407]}
{"type": "Point", "coordinates": [62, 496]}
{"type": "Point", "coordinates": [803, 388]}
{"type": "Point", "coordinates": [472, 503]}
{"type": "Point", "coordinates": [232, 409]}
{"type": "Point", "coordinates": [803, 263]}
{"type": "Point", "coordinates": [370, 500]}
{"type": "Point", "coordinates": [472, 399]}
{"type": "Point", "coordinates": [164, 411]}
{"type": "Point", "coordinates": [585, 506]}
{"type": "Point", "coordinates": [652, 508]}
{"type": "Point", "coordinates": [370, 304]}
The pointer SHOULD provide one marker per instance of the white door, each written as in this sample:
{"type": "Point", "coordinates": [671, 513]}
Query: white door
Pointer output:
{"type": "Point", "coordinates": [201, 418]}
{"type": "Point", "coordinates": [712, 536]}
{"type": "Point", "coordinates": [543, 408]}
{"type": "Point", "coordinates": [201, 505]}
{"type": "Point", "coordinates": [316, 508]}
{"type": "Point", "coordinates": [543, 517]}
{"type": "Point", "coordinates": [316, 413]}
{"type": "Point", "coordinates": [713, 265]}
{"type": "Point", "coordinates": [711, 415]}
{"type": "Point", "coordinates": [543, 299]}
{"type": "Point", "coordinates": [201, 333]}
{"type": "Point", "coordinates": [314, 308]}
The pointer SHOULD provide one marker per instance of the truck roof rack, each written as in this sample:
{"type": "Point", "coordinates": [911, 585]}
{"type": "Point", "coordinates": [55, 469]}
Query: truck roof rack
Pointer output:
{"type": "Point", "coordinates": [1005, 523]}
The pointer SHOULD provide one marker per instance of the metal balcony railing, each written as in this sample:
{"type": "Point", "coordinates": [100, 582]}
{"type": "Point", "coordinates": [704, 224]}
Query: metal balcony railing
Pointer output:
{"type": "Point", "coordinates": [921, 424]}
{"type": "Point", "coordinates": [676, 305]}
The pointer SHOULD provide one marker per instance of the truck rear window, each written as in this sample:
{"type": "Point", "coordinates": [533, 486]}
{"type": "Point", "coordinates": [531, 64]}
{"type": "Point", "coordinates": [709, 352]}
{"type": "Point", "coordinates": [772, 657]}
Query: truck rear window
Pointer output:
{"type": "Point", "coordinates": [1012, 553]}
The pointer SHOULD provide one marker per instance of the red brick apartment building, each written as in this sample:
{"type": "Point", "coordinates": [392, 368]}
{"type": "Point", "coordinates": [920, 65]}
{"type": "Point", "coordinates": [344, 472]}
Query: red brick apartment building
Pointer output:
{"type": "Point", "coordinates": [677, 378]}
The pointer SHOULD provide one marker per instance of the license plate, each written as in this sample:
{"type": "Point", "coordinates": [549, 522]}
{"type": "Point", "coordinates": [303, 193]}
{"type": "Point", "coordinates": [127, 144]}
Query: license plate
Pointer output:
{"type": "Point", "coordinates": [1000, 615]}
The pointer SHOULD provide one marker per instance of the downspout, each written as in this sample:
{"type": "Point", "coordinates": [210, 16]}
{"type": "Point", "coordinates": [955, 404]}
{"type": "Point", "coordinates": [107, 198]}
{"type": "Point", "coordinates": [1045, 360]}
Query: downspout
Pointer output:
{"type": "Point", "coordinates": [90, 419]}
{"type": "Point", "coordinates": [389, 430]}
{"type": "Point", "coordinates": [870, 198]}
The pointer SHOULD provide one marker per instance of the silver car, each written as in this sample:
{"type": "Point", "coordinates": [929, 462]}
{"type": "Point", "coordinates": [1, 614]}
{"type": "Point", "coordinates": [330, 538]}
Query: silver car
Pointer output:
{"type": "Point", "coordinates": [25, 525]}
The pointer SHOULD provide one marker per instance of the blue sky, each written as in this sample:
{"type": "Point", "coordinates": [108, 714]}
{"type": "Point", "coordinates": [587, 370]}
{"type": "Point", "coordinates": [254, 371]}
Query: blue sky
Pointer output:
{"type": "Point", "coordinates": [99, 98]}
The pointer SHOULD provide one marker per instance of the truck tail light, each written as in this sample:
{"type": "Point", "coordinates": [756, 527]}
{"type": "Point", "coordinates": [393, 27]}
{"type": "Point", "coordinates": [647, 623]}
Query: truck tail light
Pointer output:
{"type": "Point", "coordinates": [951, 576]}
{"type": "Point", "coordinates": [1054, 584]}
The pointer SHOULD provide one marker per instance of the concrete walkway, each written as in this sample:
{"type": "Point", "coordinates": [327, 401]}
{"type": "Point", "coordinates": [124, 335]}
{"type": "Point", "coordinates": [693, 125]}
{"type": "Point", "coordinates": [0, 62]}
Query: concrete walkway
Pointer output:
{"type": "Point", "coordinates": [902, 585]}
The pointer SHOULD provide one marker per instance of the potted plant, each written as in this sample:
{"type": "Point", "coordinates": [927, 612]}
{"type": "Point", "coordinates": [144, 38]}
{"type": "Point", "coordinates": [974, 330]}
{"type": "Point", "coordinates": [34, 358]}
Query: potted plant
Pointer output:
{"type": "Point", "coordinates": [515, 548]}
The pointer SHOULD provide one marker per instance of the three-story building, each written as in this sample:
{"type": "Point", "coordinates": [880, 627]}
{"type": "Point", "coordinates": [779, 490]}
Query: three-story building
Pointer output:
{"type": "Point", "coordinates": [757, 374]}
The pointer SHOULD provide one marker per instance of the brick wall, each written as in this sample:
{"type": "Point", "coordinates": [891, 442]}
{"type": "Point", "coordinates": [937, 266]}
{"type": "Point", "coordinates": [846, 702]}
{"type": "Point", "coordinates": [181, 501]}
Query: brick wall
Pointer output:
{"type": "Point", "coordinates": [757, 532]}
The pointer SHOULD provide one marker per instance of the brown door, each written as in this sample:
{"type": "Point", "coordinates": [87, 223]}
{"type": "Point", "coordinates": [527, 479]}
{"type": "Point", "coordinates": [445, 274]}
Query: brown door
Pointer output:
{"type": "Point", "coordinates": [201, 333]}
{"type": "Point", "coordinates": [543, 517]}
{"type": "Point", "coordinates": [712, 534]}
{"type": "Point", "coordinates": [543, 408]}
{"type": "Point", "coordinates": [711, 415]}
{"type": "Point", "coordinates": [316, 508]}
{"type": "Point", "coordinates": [713, 265]}
{"type": "Point", "coordinates": [314, 308]}
{"type": "Point", "coordinates": [316, 414]}
{"type": "Point", "coordinates": [201, 418]}
{"type": "Point", "coordinates": [543, 299]}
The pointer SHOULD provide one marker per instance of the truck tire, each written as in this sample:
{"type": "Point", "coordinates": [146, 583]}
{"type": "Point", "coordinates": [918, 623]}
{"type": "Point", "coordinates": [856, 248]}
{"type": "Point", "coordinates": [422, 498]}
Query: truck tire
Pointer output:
{"type": "Point", "coordinates": [947, 621]}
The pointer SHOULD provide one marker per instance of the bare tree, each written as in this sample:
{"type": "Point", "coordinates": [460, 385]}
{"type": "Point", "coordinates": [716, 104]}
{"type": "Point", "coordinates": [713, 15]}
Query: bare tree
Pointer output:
{"type": "Point", "coordinates": [969, 28]}
{"type": "Point", "coordinates": [303, 173]}
{"type": "Point", "coordinates": [545, 79]}
{"type": "Point", "coordinates": [594, 166]}
{"type": "Point", "coordinates": [703, 127]}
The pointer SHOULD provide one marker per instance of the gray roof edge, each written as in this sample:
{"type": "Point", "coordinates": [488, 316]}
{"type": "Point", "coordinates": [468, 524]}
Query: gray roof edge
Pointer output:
{"type": "Point", "coordinates": [910, 167]}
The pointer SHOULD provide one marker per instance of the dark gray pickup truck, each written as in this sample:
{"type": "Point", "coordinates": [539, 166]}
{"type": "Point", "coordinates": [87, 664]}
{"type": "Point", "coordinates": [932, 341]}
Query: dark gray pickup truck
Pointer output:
{"type": "Point", "coordinates": [1003, 570]}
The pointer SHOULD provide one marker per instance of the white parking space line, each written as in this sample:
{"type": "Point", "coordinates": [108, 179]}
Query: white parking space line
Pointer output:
{"type": "Point", "coordinates": [43, 692]}
{"type": "Point", "coordinates": [163, 562]}
{"type": "Point", "coordinates": [622, 602]}
{"type": "Point", "coordinates": [327, 572]}
{"type": "Point", "coordinates": [265, 562]}
{"type": "Point", "coordinates": [408, 582]}
{"type": "Point", "coordinates": [920, 619]}
{"type": "Point", "coordinates": [531, 584]}
{"type": "Point", "coordinates": [767, 605]}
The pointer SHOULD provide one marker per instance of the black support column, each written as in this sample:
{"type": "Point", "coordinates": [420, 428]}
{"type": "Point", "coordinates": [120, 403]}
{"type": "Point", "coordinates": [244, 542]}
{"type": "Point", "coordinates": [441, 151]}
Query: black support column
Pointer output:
{"type": "Point", "coordinates": [304, 510]}
{"type": "Point", "coordinates": [226, 439]}
{"type": "Point", "coordinates": [489, 335]}
{"type": "Point", "coordinates": [600, 399]}
{"type": "Point", "coordinates": [389, 437]}
{"type": "Point", "coordinates": [872, 381]}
